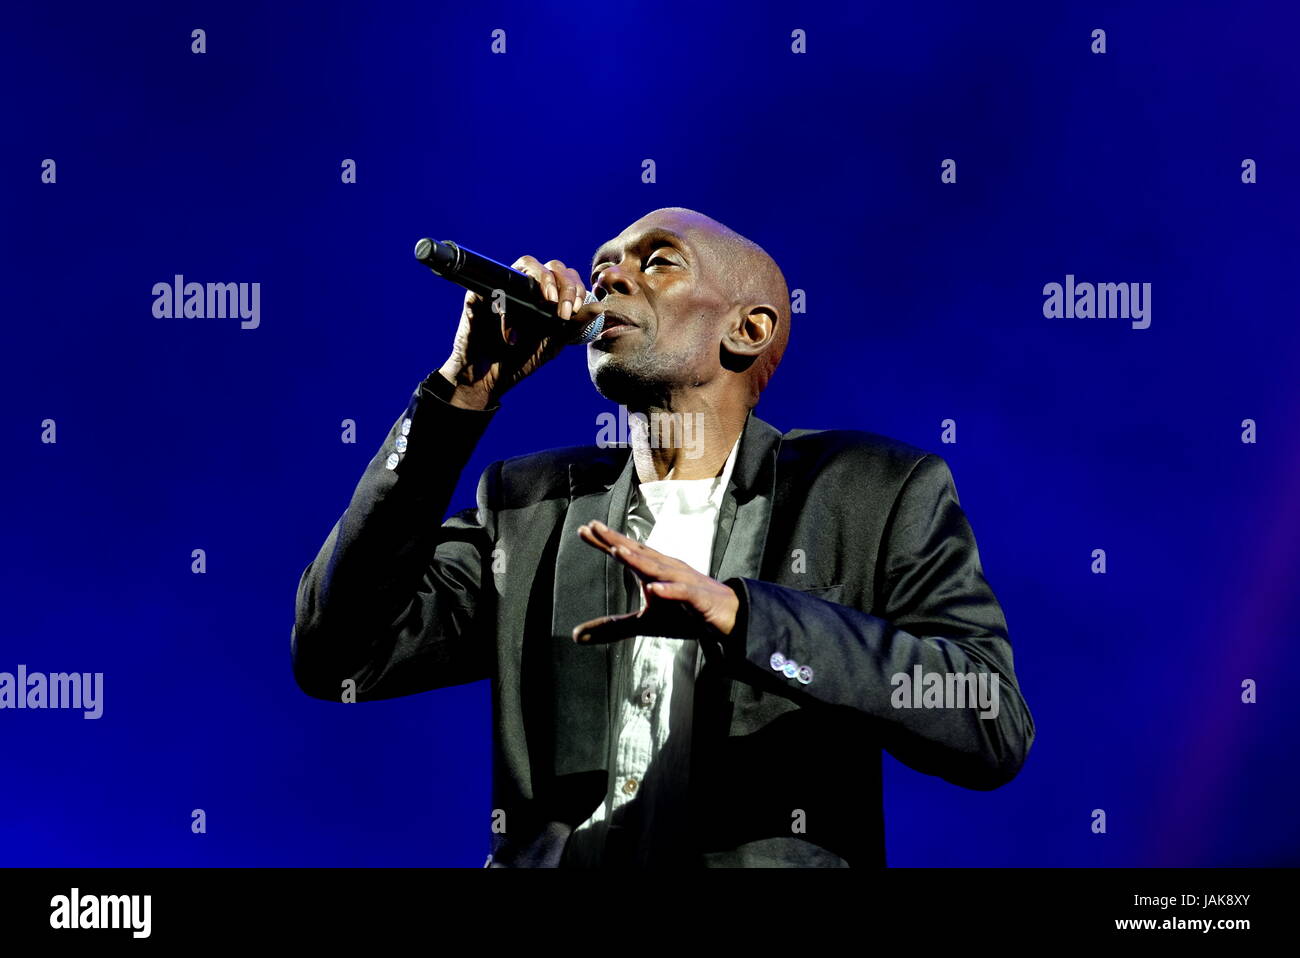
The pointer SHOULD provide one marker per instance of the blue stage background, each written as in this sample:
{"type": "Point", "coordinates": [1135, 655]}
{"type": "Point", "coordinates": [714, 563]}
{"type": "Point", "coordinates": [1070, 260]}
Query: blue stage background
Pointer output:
{"type": "Point", "coordinates": [924, 303]}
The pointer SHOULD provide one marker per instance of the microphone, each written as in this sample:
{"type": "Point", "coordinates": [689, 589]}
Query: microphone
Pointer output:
{"type": "Point", "coordinates": [483, 276]}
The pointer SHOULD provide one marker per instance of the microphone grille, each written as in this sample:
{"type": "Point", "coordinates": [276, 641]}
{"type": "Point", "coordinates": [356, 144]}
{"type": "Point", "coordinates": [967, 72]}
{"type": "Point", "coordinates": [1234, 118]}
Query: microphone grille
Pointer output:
{"type": "Point", "coordinates": [593, 328]}
{"type": "Point", "coordinates": [590, 331]}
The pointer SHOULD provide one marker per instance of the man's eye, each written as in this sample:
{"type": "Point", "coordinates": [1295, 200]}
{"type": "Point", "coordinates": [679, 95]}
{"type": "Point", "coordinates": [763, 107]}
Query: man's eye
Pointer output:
{"type": "Point", "coordinates": [595, 277]}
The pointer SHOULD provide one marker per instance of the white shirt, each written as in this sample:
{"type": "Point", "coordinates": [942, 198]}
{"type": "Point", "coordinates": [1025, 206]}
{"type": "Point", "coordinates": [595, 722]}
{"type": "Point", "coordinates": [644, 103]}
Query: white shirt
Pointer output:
{"type": "Point", "coordinates": [678, 517]}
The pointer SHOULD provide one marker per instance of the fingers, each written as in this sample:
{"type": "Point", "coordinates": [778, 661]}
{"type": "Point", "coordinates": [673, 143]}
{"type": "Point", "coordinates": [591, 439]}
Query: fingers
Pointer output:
{"type": "Point", "coordinates": [672, 590]}
{"type": "Point", "coordinates": [606, 537]}
{"type": "Point", "coordinates": [559, 283]}
{"type": "Point", "coordinates": [508, 332]}
{"type": "Point", "coordinates": [528, 345]}
{"type": "Point", "coordinates": [689, 604]}
{"type": "Point", "coordinates": [639, 556]}
{"type": "Point", "coordinates": [608, 628]}
{"type": "Point", "coordinates": [571, 291]}
{"type": "Point", "coordinates": [615, 543]}
{"type": "Point", "coordinates": [685, 612]}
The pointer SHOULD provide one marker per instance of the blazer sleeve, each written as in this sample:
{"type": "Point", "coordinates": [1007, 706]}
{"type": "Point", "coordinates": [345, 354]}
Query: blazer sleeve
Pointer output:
{"type": "Point", "coordinates": [936, 611]}
{"type": "Point", "coordinates": [391, 599]}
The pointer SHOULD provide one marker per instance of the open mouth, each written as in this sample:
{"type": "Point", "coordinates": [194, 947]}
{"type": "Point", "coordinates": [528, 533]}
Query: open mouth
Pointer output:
{"type": "Point", "coordinates": [614, 320]}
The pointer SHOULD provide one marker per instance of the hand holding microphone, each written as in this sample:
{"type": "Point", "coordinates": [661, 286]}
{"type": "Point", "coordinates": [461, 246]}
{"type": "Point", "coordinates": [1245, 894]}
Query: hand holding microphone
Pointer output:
{"type": "Point", "coordinates": [514, 320]}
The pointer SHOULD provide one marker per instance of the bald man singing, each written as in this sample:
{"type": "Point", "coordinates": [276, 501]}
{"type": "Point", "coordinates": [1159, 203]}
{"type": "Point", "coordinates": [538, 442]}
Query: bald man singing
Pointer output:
{"type": "Point", "coordinates": [698, 646]}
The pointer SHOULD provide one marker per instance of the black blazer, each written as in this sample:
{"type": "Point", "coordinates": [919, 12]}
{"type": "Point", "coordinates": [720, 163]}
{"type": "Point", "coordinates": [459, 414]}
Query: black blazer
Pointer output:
{"type": "Point", "coordinates": [851, 556]}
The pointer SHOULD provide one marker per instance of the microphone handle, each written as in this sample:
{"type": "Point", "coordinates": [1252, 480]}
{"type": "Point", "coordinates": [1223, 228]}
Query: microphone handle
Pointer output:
{"type": "Point", "coordinates": [477, 272]}
{"type": "Point", "coordinates": [484, 276]}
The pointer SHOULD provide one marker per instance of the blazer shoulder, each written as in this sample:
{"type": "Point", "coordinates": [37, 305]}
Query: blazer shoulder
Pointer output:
{"type": "Point", "coordinates": [536, 476]}
{"type": "Point", "coordinates": [856, 449]}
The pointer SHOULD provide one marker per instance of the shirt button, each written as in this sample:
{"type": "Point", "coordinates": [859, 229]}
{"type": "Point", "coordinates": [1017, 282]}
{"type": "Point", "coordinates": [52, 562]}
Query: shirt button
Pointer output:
{"type": "Point", "coordinates": [790, 670]}
{"type": "Point", "coordinates": [406, 427]}
{"type": "Point", "coordinates": [647, 696]}
{"type": "Point", "coordinates": [629, 786]}
{"type": "Point", "coordinates": [401, 443]}
{"type": "Point", "coordinates": [805, 674]}
{"type": "Point", "coordinates": [392, 460]}
{"type": "Point", "coordinates": [777, 661]}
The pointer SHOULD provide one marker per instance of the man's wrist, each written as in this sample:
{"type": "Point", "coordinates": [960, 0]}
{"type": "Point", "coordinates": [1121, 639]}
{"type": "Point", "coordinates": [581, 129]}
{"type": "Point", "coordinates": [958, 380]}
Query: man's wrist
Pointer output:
{"type": "Point", "coordinates": [440, 385]}
{"type": "Point", "coordinates": [732, 614]}
{"type": "Point", "coordinates": [734, 642]}
{"type": "Point", "coordinates": [445, 383]}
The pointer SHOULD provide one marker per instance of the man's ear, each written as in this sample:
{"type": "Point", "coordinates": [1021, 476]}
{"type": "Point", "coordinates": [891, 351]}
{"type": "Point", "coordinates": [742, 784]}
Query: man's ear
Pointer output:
{"type": "Point", "coordinates": [752, 330]}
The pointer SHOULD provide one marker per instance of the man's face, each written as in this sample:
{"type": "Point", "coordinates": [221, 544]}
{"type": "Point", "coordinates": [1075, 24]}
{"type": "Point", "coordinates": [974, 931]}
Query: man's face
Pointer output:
{"type": "Point", "coordinates": [664, 277]}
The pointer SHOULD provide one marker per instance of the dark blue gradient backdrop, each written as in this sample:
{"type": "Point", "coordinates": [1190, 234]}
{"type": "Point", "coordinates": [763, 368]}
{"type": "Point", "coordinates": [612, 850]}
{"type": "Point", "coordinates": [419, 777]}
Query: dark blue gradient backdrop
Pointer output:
{"type": "Point", "coordinates": [924, 303]}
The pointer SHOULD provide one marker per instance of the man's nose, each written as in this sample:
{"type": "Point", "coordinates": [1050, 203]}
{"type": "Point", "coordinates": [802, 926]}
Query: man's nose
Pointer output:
{"type": "Point", "coordinates": [613, 280]}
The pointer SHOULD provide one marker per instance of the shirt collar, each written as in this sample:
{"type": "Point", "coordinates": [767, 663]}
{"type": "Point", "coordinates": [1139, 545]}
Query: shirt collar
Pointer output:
{"type": "Point", "coordinates": [689, 495]}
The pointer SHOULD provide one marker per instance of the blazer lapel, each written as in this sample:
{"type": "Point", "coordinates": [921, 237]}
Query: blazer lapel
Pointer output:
{"type": "Point", "coordinates": [743, 524]}
{"type": "Point", "coordinates": [738, 545]}
{"type": "Point", "coordinates": [581, 675]}
{"type": "Point", "coordinates": [747, 506]}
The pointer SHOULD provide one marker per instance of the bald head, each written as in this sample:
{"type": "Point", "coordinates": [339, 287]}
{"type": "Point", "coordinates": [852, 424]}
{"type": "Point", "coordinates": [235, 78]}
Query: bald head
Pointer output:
{"type": "Point", "coordinates": [736, 284]}
{"type": "Point", "coordinates": [756, 282]}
